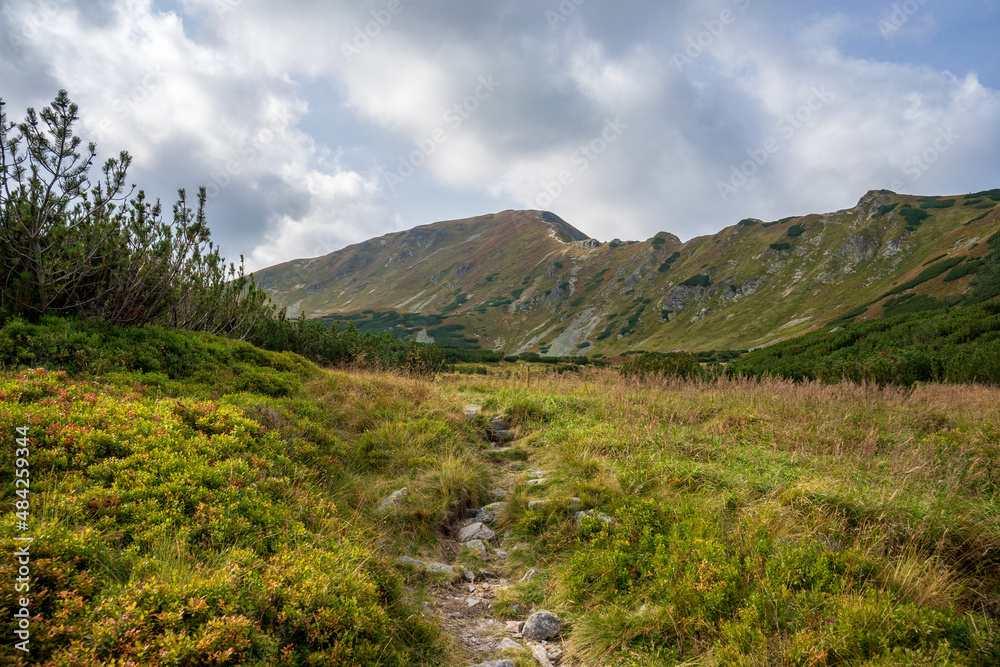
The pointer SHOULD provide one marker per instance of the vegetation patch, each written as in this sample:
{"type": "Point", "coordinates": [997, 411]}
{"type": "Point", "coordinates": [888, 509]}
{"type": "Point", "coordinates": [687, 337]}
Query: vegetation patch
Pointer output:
{"type": "Point", "coordinates": [700, 280]}
{"type": "Point", "coordinates": [796, 230]}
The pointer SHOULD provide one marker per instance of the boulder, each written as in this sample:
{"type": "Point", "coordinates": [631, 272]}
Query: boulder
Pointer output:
{"type": "Point", "coordinates": [406, 560]}
{"type": "Point", "coordinates": [476, 531]}
{"type": "Point", "coordinates": [542, 625]}
{"type": "Point", "coordinates": [392, 501]}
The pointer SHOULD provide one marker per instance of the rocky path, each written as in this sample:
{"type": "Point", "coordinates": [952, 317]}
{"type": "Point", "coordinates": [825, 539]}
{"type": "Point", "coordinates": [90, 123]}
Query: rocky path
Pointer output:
{"type": "Point", "coordinates": [465, 606]}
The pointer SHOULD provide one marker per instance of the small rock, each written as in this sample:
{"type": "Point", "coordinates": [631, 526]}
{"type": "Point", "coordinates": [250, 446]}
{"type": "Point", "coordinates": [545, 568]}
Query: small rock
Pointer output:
{"type": "Point", "coordinates": [514, 627]}
{"type": "Point", "coordinates": [530, 574]}
{"type": "Point", "coordinates": [542, 625]}
{"type": "Point", "coordinates": [454, 614]}
{"type": "Point", "coordinates": [425, 605]}
{"type": "Point", "coordinates": [474, 602]}
{"type": "Point", "coordinates": [554, 652]}
{"type": "Point", "coordinates": [468, 574]}
{"type": "Point", "coordinates": [500, 553]}
{"type": "Point", "coordinates": [504, 435]}
{"type": "Point", "coordinates": [406, 560]}
{"type": "Point", "coordinates": [499, 424]}
{"type": "Point", "coordinates": [508, 643]}
{"type": "Point", "coordinates": [537, 473]}
{"type": "Point", "coordinates": [520, 546]}
{"type": "Point", "coordinates": [490, 513]}
{"type": "Point", "coordinates": [536, 482]}
{"type": "Point", "coordinates": [485, 574]}
{"type": "Point", "coordinates": [499, 493]}
{"type": "Point", "coordinates": [476, 531]}
{"type": "Point", "coordinates": [516, 608]}
{"type": "Point", "coordinates": [496, 663]}
{"type": "Point", "coordinates": [441, 567]}
{"type": "Point", "coordinates": [533, 504]}
{"type": "Point", "coordinates": [478, 546]}
{"type": "Point", "coordinates": [579, 516]}
{"type": "Point", "coordinates": [540, 655]}
{"type": "Point", "coordinates": [392, 501]}
{"type": "Point", "coordinates": [472, 589]}
{"type": "Point", "coordinates": [471, 410]}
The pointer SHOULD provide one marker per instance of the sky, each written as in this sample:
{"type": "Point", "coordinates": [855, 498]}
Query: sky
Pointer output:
{"type": "Point", "coordinates": [317, 124]}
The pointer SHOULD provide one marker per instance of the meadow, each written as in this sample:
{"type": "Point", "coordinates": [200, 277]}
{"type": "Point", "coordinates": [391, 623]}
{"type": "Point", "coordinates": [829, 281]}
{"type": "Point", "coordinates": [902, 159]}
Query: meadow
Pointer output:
{"type": "Point", "coordinates": [223, 511]}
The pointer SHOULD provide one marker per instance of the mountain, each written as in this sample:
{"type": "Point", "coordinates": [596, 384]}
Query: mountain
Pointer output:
{"type": "Point", "coordinates": [527, 281]}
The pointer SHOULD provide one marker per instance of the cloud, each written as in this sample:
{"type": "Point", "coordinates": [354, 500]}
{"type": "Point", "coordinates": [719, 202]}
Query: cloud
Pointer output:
{"type": "Point", "coordinates": [717, 109]}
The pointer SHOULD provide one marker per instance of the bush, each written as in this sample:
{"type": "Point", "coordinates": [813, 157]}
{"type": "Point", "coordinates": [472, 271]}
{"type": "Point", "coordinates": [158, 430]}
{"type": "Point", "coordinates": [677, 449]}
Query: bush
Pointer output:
{"type": "Point", "coordinates": [678, 364]}
{"type": "Point", "coordinates": [796, 230]}
{"type": "Point", "coordinates": [701, 280]}
{"type": "Point", "coordinates": [67, 248]}
{"type": "Point", "coordinates": [781, 247]}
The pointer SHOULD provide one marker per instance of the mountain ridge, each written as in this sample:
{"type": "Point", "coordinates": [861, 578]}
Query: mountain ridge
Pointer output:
{"type": "Point", "coordinates": [528, 281]}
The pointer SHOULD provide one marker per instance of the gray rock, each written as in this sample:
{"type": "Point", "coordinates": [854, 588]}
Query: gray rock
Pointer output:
{"type": "Point", "coordinates": [474, 602]}
{"type": "Point", "coordinates": [542, 625]}
{"type": "Point", "coordinates": [501, 553]}
{"type": "Point", "coordinates": [536, 474]}
{"type": "Point", "coordinates": [580, 516]}
{"type": "Point", "coordinates": [476, 531]}
{"type": "Point", "coordinates": [537, 482]}
{"type": "Point", "coordinates": [537, 503]}
{"type": "Point", "coordinates": [508, 643]}
{"type": "Point", "coordinates": [471, 410]}
{"type": "Point", "coordinates": [514, 627]}
{"type": "Point", "coordinates": [406, 560]}
{"type": "Point", "coordinates": [477, 545]}
{"type": "Point", "coordinates": [540, 655]}
{"type": "Point", "coordinates": [499, 493]}
{"type": "Point", "coordinates": [393, 501]}
{"type": "Point", "coordinates": [496, 663]}
{"type": "Point", "coordinates": [530, 574]}
{"type": "Point", "coordinates": [441, 567]}
{"type": "Point", "coordinates": [499, 424]}
{"type": "Point", "coordinates": [554, 652]}
{"type": "Point", "coordinates": [467, 574]}
{"type": "Point", "coordinates": [490, 513]}
{"type": "Point", "coordinates": [505, 435]}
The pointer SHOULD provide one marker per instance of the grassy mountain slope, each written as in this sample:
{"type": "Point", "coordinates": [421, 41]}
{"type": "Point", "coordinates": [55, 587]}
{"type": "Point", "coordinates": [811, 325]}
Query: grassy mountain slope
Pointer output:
{"type": "Point", "coordinates": [527, 282]}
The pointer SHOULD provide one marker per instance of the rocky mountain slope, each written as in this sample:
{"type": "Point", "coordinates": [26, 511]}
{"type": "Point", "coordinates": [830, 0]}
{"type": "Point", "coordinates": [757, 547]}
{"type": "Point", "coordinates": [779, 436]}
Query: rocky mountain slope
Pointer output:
{"type": "Point", "coordinates": [526, 281]}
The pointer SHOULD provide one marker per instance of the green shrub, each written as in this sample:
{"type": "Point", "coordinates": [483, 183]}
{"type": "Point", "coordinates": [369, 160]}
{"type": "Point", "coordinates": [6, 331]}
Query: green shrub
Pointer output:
{"type": "Point", "coordinates": [781, 247]}
{"type": "Point", "coordinates": [885, 209]}
{"type": "Point", "coordinates": [914, 217]}
{"type": "Point", "coordinates": [701, 280]}
{"type": "Point", "coordinates": [938, 203]}
{"type": "Point", "coordinates": [796, 230]}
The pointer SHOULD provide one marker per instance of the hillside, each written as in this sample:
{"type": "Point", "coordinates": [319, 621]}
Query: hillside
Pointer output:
{"type": "Point", "coordinates": [525, 281]}
{"type": "Point", "coordinates": [198, 501]}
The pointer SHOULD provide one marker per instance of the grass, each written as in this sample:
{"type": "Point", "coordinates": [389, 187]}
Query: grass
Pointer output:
{"type": "Point", "coordinates": [755, 522]}
{"type": "Point", "coordinates": [762, 522]}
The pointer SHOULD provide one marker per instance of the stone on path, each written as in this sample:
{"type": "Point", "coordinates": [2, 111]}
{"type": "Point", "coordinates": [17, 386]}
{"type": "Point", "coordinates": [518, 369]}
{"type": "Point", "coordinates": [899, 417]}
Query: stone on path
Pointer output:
{"type": "Point", "coordinates": [490, 513]}
{"type": "Point", "coordinates": [393, 501]}
{"type": "Point", "coordinates": [441, 567]}
{"type": "Point", "coordinates": [530, 574]}
{"type": "Point", "coordinates": [508, 643]}
{"type": "Point", "coordinates": [540, 655]}
{"type": "Point", "coordinates": [478, 545]}
{"type": "Point", "coordinates": [476, 531]}
{"type": "Point", "coordinates": [542, 625]}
